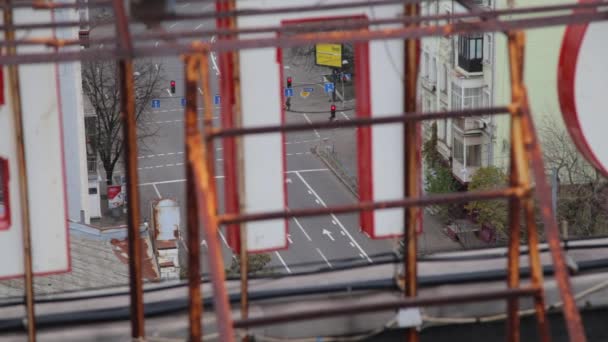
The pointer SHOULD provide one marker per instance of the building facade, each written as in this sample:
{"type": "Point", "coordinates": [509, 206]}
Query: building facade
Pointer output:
{"type": "Point", "coordinates": [466, 72]}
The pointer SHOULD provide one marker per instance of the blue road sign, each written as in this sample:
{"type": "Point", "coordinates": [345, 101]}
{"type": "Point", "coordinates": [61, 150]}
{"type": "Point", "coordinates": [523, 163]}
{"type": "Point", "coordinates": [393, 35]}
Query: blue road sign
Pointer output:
{"type": "Point", "coordinates": [183, 101]}
{"type": "Point", "coordinates": [309, 90]}
{"type": "Point", "coordinates": [217, 100]}
{"type": "Point", "coordinates": [155, 103]}
{"type": "Point", "coordinates": [329, 87]}
{"type": "Point", "coordinates": [288, 92]}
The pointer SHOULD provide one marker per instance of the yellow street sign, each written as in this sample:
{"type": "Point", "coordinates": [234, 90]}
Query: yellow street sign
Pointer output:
{"type": "Point", "coordinates": [328, 55]}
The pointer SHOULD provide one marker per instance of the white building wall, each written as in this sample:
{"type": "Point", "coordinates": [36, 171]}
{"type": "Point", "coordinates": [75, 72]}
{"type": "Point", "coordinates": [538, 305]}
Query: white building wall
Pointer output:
{"type": "Point", "coordinates": [70, 81]}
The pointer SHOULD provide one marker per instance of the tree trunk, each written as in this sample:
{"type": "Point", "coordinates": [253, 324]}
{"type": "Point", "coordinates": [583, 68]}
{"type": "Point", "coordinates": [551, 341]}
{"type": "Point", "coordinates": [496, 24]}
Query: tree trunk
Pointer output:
{"type": "Point", "coordinates": [109, 172]}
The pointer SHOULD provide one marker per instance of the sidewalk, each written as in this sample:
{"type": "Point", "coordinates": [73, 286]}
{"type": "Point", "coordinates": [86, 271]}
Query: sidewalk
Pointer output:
{"type": "Point", "coordinates": [338, 148]}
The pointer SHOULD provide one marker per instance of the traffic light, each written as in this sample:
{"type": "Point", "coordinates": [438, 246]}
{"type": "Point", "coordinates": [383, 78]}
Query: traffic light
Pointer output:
{"type": "Point", "coordinates": [172, 87]}
{"type": "Point", "coordinates": [288, 82]}
{"type": "Point", "coordinates": [333, 112]}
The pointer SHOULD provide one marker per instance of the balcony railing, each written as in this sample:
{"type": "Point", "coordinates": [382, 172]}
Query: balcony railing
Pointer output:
{"type": "Point", "coordinates": [470, 65]}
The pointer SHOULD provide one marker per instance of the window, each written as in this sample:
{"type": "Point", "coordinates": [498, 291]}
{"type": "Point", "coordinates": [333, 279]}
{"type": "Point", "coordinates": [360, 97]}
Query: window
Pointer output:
{"type": "Point", "coordinates": [474, 155]}
{"type": "Point", "coordinates": [440, 129]}
{"type": "Point", "coordinates": [456, 97]}
{"type": "Point", "coordinates": [470, 52]}
{"type": "Point", "coordinates": [433, 70]}
{"type": "Point", "coordinates": [466, 98]}
{"type": "Point", "coordinates": [92, 191]}
{"type": "Point", "coordinates": [444, 79]}
{"type": "Point", "coordinates": [5, 208]}
{"type": "Point", "coordinates": [458, 151]}
{"type": "Point", "coordinates": [472, 98]}
{"type": "Point", "coordinates": [426, 65]}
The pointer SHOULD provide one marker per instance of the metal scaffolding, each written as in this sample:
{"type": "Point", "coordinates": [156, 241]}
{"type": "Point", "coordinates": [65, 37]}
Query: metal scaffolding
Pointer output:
{"type": "Point", "coordinates": [525, 155]}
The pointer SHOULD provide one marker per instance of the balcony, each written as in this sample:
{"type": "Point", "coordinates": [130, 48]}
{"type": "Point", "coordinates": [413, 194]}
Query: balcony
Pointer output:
{"type": "Point", "coordinates": [468, 125]}
{"type": "Point", "coordinates": [470, 53]}
{"type": "Point", "coordinates": [470, 65]}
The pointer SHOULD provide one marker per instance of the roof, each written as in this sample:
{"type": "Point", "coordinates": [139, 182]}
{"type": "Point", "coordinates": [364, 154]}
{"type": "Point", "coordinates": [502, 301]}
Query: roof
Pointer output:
{"type": "Point", "coordinates": [99, 259]}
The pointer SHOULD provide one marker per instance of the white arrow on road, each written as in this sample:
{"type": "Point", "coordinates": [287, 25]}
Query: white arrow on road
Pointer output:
{"type": "Point", "coordinates": [328, 233]}
{"type": "Point", "coordinates": [289, 238]}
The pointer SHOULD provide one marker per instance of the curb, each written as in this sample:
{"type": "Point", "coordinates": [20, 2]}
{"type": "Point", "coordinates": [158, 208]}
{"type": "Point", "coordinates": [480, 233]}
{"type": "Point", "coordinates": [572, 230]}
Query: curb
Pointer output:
{"type": "Point", "coordinates": [337, 170]}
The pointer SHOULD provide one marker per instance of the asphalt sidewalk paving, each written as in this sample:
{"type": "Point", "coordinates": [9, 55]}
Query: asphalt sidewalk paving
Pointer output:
{"type": "Point", "coordinates": [338, 147]}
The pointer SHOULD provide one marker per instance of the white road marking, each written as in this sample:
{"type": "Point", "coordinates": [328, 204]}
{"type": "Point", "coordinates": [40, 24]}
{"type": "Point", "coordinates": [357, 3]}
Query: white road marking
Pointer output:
{"type": "Point", "coordinates": [317, 201]}
{"type": "Point", "coordinates": [334, 217]}
{"type": "Point", "coordinates": [302, 229]}
{"type": "Point", "coordinates": [217, 177]}
{"type": "Point", "coordinates": [173, 25]}
{"type": "Point", "coordinates": [289, 238]}
{"type": "Point", "coordinates": [300, 142]}
{"type": "Point", "coordinates": [282, 261]}
{"type": "Point", "coordinates": [328, 233]}
{"type": "Point", "coordinates": [306, 170]}
{"type": "Point", "coordinates": [184, 5]}
{"type": "Point", "coordinates": [341, 232]}
{"type": "Point", "coordinates": [200, 91]}
{"type": "Point", "coordinates": [297, 154]}
{"type": "Point", "coordinates": [345, 116]}
{"type": "Point", "coordinates": [310, 123]}
{"type": "Point", "coordinates": [169, 92]}
{"type": "Point", "coordinates": [324, 258]}
{"type": "Point", "coordinates": [352, 244]}
{"type": "Point", "coordinates": [199, 26]}
{"type": "Point", "coordinates": [223, 238]}
{"type": "Point", "coordinates": [157, 192]}
{"type": "Point", "coordinates": [156, 45]}
{"type": "Point", "coordinates": [217, 70]}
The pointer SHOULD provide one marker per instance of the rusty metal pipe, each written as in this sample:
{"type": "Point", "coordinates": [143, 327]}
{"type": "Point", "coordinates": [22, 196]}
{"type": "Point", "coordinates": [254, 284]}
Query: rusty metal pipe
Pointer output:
{"type": "Point", "coordinates": [345, 37]}
{"type": "Point", "coordinates": [357, 122]}
{"type": "Point", "coordinates": [411, 166]}
{"type": "Point", "coordinates": [572, 317]}
{"type": "Point", "coordinates": [307, 27]}
{"type": "Point", "coordinates": [36, 4]}
{"type": "Point", "coordinates": [516, 161]}
{"type": "Point", "coordinates": [15, 96]}
{"type": "Point", "coordinates": [536, 272]}
{"type": "Point", "coordinates": [207, 208]}
{"type": "Point", "coordinates": [393, 304]}
{"type": "Point", "coordinates": [194, 261]}
{"type": "Point", "coordinates": [368, 205]}
{"type": "Point", "coordinates": [129, 125]}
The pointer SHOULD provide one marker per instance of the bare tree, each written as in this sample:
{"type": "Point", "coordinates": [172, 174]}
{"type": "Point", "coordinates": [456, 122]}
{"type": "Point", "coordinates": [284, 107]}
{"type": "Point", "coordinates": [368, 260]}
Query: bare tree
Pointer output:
{"type": "Point", "coordinates": [100, 84]}
{"type": "Point", "coordinates": [583, 192]}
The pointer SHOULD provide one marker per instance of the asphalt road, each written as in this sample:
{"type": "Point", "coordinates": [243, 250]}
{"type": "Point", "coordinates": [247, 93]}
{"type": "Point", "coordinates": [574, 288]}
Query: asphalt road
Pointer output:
{"type": "Point", "coordinates": [318, 240]}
